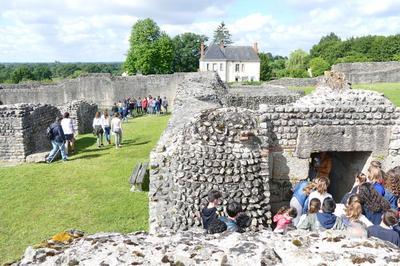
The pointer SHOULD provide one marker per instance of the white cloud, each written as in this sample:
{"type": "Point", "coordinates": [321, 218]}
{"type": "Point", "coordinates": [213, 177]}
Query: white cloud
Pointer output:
{"type": "Point", "coordinates": [98, 30]}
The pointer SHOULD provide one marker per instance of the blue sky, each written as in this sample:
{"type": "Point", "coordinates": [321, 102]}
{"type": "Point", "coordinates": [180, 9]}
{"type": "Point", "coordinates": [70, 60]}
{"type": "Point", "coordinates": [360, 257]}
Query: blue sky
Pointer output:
{"type": "Point", "coordinates": [98, 30]}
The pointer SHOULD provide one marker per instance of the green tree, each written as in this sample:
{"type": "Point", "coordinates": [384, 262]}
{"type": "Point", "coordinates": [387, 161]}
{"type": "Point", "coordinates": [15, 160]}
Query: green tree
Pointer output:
{"type": "Point", "coordinates": [296, 65]}
{"type": "Point", "coordinates": [318, 66]}
{"type": "Point", "coordinates": [150, 49]}
{"type": "Point", "coordinates": [187, 51]}
{"type": "Point", "coordinates": [42, 72]}
{"type": "Point", "coordinates": [21, 73]}
{"type": "Point", "coordinates": [265, 67]}
{"type": "Point", "coordinates": [165, 55]}
{"type": "Point", "coordinates": [222, 34]}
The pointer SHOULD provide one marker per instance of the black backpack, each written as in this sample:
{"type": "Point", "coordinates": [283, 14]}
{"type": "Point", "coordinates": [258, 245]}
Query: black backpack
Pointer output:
{"type": "Point", "coordinates": [49, 132]}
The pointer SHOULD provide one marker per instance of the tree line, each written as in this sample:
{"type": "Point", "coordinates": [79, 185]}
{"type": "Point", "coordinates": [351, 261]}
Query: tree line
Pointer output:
{"type": "Point", "coordinates": [47, 72]}
{"type": "Point", "coordinates": [328, 51]}
{"type": "Point", "coordinates": [152, 51]}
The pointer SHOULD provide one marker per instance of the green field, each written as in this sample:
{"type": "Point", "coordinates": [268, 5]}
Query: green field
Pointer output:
{"type": "Point", "coordinates": [390, 90]}
{"type": "Point", "coordinates": [90, 192]}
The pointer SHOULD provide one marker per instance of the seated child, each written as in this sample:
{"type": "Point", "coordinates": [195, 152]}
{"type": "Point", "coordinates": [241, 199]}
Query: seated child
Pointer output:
{"type": "Point", "coordinates": [307, 220]}
{"type": "Point", "coordinates": [327, 219]}
{"type": "Point", "coordinates": [284, 218]}
{"type": "Point", "coordinates": [233, 209]}
{"type": "Point", "coordinates": [209, 213]}
{"type": "Point", "coordinates": [385, 230]}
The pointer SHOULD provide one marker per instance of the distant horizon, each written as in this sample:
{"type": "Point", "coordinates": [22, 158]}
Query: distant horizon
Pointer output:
{"type": "Point", "coordinates": [44, 31]}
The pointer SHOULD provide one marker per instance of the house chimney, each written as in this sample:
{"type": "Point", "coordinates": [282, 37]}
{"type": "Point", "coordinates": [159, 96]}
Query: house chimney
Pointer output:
{"type": "Point", "coordinates": [255, 47]}
{"type": "Point", "coordinates": [221, 44]}
{"type": "Point", "coordinates": [202, 50]}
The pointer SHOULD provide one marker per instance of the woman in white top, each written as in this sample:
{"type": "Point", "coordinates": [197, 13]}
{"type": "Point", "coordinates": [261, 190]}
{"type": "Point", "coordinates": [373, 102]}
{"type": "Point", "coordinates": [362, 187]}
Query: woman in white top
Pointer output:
{"type": "Point", "coordinates": [321, 191]}
{"type": "Point", "coordinates": [68, 128]}
{"type": "Point", "coordinates": [98, 129]}
{"type": "Point", "coordinates": [116, 128]}
{"type": "Point", "coordinates": [106, 125]}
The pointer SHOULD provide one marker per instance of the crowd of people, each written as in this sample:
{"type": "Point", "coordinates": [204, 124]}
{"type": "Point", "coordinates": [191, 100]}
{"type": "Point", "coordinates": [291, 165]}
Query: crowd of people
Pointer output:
{"type": "Point", "coordinates": [140, 106]}
{"type": "Point", "coordinates": [62, 133]}
{"type": "Point", "coordinates": [370, 209]}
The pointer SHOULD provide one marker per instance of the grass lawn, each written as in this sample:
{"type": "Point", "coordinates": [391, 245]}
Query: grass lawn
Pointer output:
{"type": "Point", "coordinates": [90, 192]}
{"type": "Point", "coordinates": [390, 90]}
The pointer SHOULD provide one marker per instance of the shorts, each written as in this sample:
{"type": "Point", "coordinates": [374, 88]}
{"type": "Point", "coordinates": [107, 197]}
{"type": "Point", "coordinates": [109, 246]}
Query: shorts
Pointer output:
{"type": "Point", "coordinates": [69, 137]}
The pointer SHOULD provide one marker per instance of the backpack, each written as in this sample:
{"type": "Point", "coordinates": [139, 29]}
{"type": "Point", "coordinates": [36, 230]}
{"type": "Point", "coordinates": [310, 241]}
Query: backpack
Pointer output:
{"type": "Point", "coordinates": [49, 132]}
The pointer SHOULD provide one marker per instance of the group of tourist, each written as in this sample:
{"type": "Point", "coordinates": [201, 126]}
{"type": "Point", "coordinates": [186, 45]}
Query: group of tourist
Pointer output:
{"type": "Point", "coordinates": [370, 209]}
{"type": "Point", "coordinates": [104, 125]}
{"type": "Point", "coordinates": [140, 106]}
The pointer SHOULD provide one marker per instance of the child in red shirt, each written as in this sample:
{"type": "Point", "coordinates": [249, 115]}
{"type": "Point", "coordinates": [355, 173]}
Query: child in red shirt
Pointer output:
{"type": "Point", "coordinates": [284, 218]}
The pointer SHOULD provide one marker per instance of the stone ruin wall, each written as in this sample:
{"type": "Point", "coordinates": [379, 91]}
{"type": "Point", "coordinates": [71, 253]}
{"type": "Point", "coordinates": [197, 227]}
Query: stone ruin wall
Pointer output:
{"type": "Point", "coordinates": [82, 113]}
{"type": "Point", "coordinates": [251, 97]}
{"type": "Point", "coordinates": [23, 130]}
{"type": "Point", "coordinates": [191, 158]}
{"type": "Point", "coordinates": [103, 89]}
{"type": "Point", "coordinates": [370, 72]}
{"type": "Point", "coordinates": [23, 126]}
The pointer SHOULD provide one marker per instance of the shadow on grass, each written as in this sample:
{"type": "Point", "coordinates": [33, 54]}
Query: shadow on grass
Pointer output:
{"type": "Point", "coordinates": [133, 142]}
{"type": "Point", "coordinates": [83, 143]}
{"type": "Point", "coordinates": [88, 156]}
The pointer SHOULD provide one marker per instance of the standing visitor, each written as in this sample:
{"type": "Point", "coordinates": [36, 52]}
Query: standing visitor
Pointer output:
{"type": "Point", "coordinates": [106, 126]}
{"type": "Point", "coordinates": [144, 105]}
{"type": "Point", "coordinates": [165, 104]}
{"type": "Point", "coordinates": [68, 128]}
{"type": "Point", "coordinates": [150, 105]}
{"type": "Point", "coordinates": [391, 183]}
{"type": "Point", "coordinates": [116, 128]}
{"type": "Point", "coordinates": [139, 106]}
{"type": "Point", "coordinates": [57, 139]}
{"type": "Point", "coordinates": [373, 204]}
{"type": "Point", "coordinates": [98, 129]}
{"type": "Point", "coordinates": [321, 192]}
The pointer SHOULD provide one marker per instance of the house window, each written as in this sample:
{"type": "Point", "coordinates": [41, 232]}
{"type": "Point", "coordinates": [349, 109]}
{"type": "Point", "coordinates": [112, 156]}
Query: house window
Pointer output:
{"type": "Point", "coordinates": [215, 67]}
{"type": "Point", "coordinates": [236, 67]}
{"type": "Point", "coordinates": [242, 67]}
{"type": "Point", "coordinates": [221, 68]}
{"type": "Point", "coordinates": [208, 66]}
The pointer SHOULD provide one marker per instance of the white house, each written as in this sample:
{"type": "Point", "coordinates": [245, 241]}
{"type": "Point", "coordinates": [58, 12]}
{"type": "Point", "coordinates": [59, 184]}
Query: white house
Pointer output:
{"type": "Point", "coordinates": [232, 63]}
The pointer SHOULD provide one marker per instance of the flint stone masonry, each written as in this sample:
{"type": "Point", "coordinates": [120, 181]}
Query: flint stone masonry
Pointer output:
{"type": "Point", "coordinates": [103, 89]}
{"type": "Point", "coordinates": [23, 130]}
{"type": "Point", "coordinates": [370, 72]}
{"type": "Point", "coordinates": [82, 113]}
{"type": "Point", "coordinates": [195, 248]}
{"type": "Point", "coordinates": [204, 145]}
{"type": "Point", "coordinates": [251, 97]}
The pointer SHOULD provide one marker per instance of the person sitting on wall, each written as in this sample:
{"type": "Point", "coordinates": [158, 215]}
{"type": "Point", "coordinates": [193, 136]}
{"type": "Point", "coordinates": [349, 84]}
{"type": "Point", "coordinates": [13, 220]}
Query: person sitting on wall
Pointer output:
{"type": "Point", "coordinates": [57, 141]}
{"type": "Point", "coordinates": [233, 209]}
{"type": "Point", "coordinates": [301, 191]}
{"type": "Point", "coordinates": [308, 221]}
{"type": "Point", "coordinates": [209, 213]}
{"type": "Point", "coordinates": [385, 230]}
{"type": "Point", "coordinates": [372, 202]}
{"type": "Point", "coordinates": [283, 219]}
{"type": "Point", "coordinates": [391, 182]}
{"type": "Point", "coordinates": [321, 165]}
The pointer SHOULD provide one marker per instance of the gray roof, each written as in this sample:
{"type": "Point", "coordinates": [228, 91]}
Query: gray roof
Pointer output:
{"type": "Point", "coordinates": [232, 53]}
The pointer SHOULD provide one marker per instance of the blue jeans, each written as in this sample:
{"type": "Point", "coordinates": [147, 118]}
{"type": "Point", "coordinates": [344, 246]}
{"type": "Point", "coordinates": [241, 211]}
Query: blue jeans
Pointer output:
{"type": "Point", "coordinates": [57, 145]}
{"type": "Point", "coordinates": [107, 133]}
